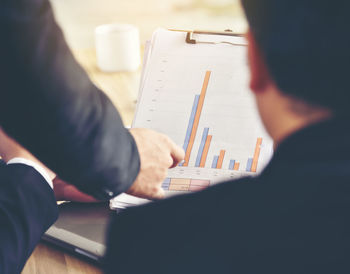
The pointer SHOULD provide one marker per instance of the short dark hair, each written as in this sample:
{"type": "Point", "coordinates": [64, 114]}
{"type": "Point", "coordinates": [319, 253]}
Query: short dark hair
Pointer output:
{"type": "Point", "coordinates": [306, 46]}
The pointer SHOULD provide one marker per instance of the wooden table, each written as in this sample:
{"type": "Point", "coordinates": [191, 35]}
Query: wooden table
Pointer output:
{"type": "Point", "coordinates": [122, 89]}
{"type": "Point", "coordinates": [48, 260]}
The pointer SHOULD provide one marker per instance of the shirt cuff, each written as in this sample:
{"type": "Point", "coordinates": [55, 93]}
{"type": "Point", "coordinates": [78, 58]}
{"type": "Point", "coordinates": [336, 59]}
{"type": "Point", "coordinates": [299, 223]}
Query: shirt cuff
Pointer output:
{"type": "Point", "coordinates": [38, 168]}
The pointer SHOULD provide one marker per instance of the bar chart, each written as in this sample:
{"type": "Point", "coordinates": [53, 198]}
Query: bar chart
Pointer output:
{"type": "Point", "coordinates": [199, 96]}
{"type": "Point", "coordinates": [191, 134]}
{"type": "Point", "coordinates": [204, 104]}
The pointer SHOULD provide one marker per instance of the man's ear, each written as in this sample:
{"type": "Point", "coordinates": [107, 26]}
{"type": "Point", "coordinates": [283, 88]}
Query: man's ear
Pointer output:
{"type": "Point", "coordinates": [259, 75]}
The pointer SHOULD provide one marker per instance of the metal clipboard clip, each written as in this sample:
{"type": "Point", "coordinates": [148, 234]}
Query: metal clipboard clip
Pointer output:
{"type": "Point", "coordinates": [191, 40]}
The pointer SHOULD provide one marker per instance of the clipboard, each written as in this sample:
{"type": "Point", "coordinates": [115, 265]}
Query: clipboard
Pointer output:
{"type": "Point", "coordinates": [190, 39]}
{"type": "Point", "coordinates": [195, 83]}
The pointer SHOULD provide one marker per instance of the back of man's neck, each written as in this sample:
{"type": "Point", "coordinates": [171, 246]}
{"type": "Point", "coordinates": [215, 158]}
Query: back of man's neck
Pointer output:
{"type": "Point", "coordinates": [291, 121]}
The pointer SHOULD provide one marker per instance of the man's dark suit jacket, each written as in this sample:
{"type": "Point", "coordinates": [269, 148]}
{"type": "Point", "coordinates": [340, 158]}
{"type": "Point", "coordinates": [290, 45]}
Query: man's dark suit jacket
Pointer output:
{"type": "Point", "coordinates": [50, 106]}
{"type": "Point", "coordinates": [293, 218]}
{"type": "Point", "coordinates": [27, 209]}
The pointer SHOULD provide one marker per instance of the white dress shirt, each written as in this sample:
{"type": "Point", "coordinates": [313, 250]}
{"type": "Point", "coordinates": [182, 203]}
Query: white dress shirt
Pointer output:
{"type": "Point", "coordinates": [38, 168]}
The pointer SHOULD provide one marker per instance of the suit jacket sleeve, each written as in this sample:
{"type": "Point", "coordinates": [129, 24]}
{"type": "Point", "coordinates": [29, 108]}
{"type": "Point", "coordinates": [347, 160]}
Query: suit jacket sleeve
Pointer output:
{"type": "Point", "coordinates": [51, 107]}
{"type": "Point", "coordinates": [27, 209]}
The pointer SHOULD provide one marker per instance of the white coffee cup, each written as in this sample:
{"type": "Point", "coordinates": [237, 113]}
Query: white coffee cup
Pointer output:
{"type": "Point", "coordinates": [117, 47]}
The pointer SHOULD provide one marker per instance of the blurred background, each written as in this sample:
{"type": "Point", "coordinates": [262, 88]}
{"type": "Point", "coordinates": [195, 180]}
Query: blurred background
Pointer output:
{"type": "Point", "coordinates": [78, 18]}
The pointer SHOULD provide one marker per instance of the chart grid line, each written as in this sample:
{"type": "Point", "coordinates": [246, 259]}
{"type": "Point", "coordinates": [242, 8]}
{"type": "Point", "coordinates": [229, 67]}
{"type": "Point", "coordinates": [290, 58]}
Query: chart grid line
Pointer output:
{"type": "Point", "coordinates": [179, 184]}
{"type": "Point", "coordinates": [197, 185]}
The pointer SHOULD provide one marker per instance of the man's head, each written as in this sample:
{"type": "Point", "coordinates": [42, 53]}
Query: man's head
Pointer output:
{"type": "Point", "coordinates": [301, 49]}
{"type": "Point", "coordinates": [306, 47]}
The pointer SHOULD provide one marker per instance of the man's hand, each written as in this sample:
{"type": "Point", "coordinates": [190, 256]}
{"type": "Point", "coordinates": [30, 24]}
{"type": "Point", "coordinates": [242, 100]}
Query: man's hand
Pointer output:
{"type": "Point", "coordinates": [157, 154]}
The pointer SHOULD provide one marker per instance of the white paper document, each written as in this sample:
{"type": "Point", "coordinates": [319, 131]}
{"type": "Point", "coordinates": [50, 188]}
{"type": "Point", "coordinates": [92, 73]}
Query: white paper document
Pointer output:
{"type": "Point", "coordinates": [198, 95]}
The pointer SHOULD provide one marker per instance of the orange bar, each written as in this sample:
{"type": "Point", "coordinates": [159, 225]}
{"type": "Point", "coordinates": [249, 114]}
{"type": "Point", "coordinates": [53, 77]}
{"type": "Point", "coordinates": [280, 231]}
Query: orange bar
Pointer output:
{"type": "Point", "coordinates": [256, 155]}
{"type": "Point", "coordinates": [221, 159]}
{"type": "Point", "coordinates": [205, 151]}
{"type": "Point", "coordinates": [236, 167]}
{"type": "Point", "coordinates": [197, 117]}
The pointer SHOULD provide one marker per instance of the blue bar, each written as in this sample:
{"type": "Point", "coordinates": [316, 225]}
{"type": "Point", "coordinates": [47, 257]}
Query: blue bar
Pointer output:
{"type": "Point", "coordinates": [191, 121]}
{"type": "Point", "coordinates": [190, 124]}
{"type": "Point", "coordinates": [232, 164]}
{"type": "Point", "coordinates": [249, 164]}
{"type": "Point", "coordinates": [166, 184]}
{"type": "Point", "coordinates": [215, 162]}
{"type": "Point", "coordinates": [201, 147]}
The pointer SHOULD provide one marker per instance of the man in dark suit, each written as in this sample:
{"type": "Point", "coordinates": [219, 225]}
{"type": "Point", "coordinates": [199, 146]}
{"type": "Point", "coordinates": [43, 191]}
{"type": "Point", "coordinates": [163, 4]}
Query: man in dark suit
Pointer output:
{"type": "Point", "coordinates": [49, 105]}
{"type": "Point", "coordinates": [27, 204]}
{"type": "Point", "coordinates": [28, 208]}
{"type": "Point", "coordinates": [294, 217]}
